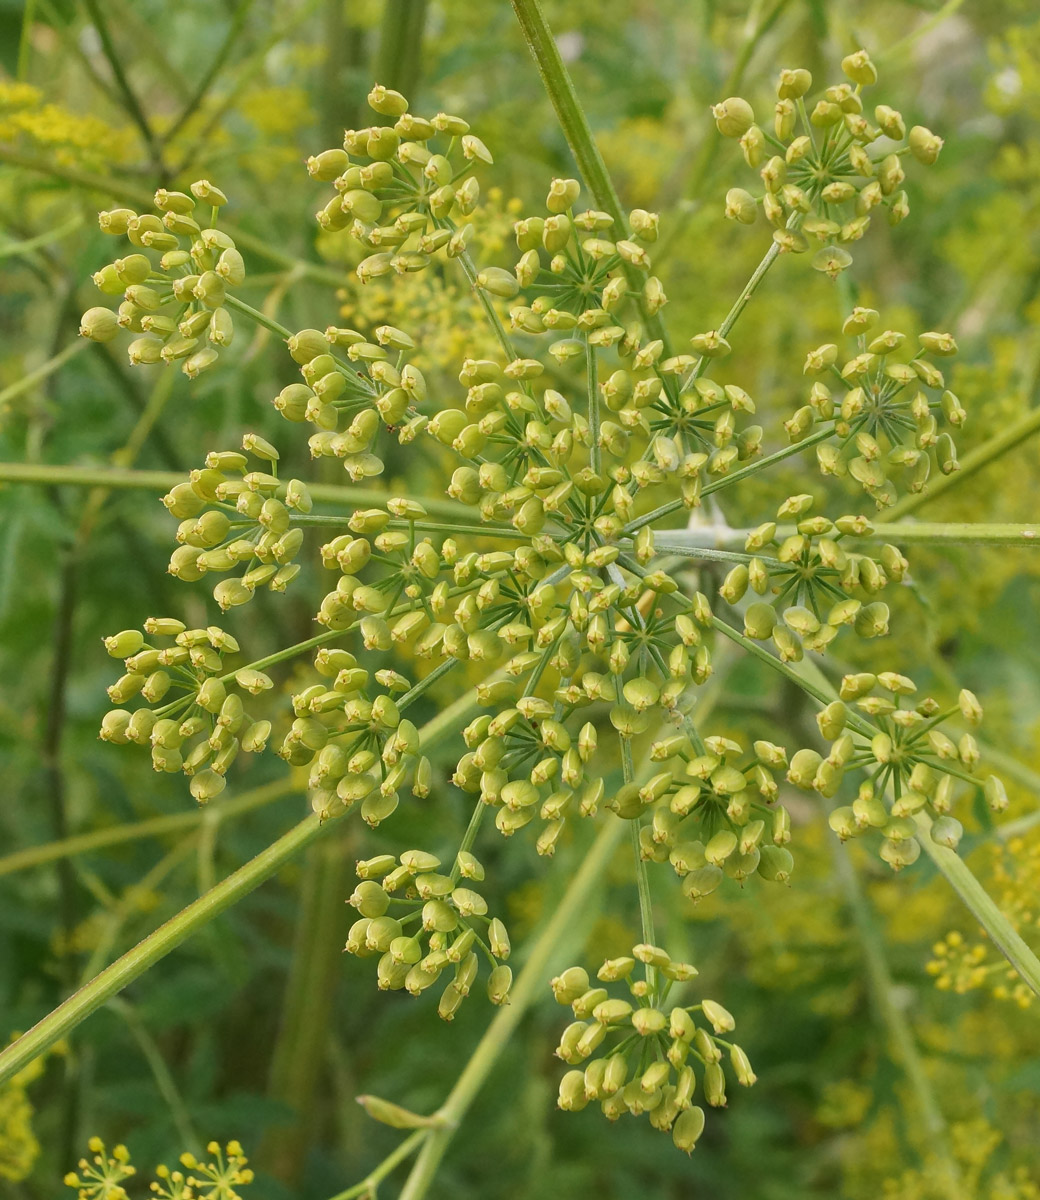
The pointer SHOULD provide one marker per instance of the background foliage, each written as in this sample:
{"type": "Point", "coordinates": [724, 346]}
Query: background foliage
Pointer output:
{"type": "Point", "coordinates": [258, 1028]}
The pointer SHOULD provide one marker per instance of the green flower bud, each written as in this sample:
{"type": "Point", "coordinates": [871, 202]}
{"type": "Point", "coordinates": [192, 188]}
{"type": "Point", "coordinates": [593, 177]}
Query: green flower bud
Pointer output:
{"type": "Point", "coordinates": [924, 145]}
{"type": "Point", "coordinates": [741, 206]}
{"type": "Point", "coordinates": [563, 194]}
{"type": "Point", "coordinates": [99, 325]}
{"type": "Point", "coordinates": [793, 83]}
{"type": "Point", "coordinates": [741, 1066]}
{"type": "Point", "coordinates": [859, 68]}
{"type": "Point", "coordinates": [901, 853]}
{"type": "Point", "coordinates": [499, 982]}
{"type": "Point", "coordinates": [572, 1095]}
{"type": "Point", "coordinates": [804, 765]}
{"type": "Point", "coordinates": [733, 117]}
{"type": "Point", "coordinates": [688, 1127]}
{"type": "Point", "coordinates": [995, 793]}
{"type": "Point", "coordinates": [208, 193]}
{"type": "Point", "coordinates": [759, 620]}
{"type": "Point", "coordinates": [206, 786]}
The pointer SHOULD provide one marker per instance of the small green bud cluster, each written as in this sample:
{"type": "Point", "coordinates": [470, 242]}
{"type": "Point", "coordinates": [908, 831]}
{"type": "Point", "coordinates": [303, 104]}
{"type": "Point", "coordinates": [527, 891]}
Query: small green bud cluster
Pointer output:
{"type": "Point", "coordinates": [713, 819]}
{"type": "Point", "coordinates": [231, 516]}
{"type": "Point", "coordinates": [824, 585]}
{"type": "Point", "coordinates": [912, 765]}
{"type": "Point", "coordinates": [360, 750]}
{"type": "Point", "coordinates": [204, 726]}
{"type": "Point", "coordinates": [353, 386]}
{"type": "Point", "coordinates": [824, 186]}
{"type": "Point", "coordinates": [399, 186]}
{"type": "Point", "coordinates": [177, 305]}
{"type": "Point", "coordinates": [650, 1058]}
{"type": "Point", "coordinates": [574, 268]}
{"type": "Point", "coordinates": [439, 924]}
{"type": "Point", "coordinates": [887, 420]}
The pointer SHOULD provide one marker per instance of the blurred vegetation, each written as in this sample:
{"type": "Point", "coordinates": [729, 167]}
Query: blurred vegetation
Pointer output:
{"type": "Point", "coordinates": [101, 101]}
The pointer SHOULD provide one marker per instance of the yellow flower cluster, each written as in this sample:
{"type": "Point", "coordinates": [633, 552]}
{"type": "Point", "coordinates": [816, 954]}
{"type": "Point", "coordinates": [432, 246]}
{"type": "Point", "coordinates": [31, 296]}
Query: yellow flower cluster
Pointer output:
{"type": "Point", "coordinates": [961, 965]}
{"type": "Point", "coordinates": [69, 138]}
{"type": "Point", "coordinates": [101, 1177]}
{"type": "Point", "coordinates": [19, 1147]}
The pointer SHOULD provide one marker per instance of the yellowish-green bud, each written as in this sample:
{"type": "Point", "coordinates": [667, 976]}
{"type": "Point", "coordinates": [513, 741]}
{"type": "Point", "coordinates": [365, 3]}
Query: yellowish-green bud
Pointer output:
{"type": "Point", "coordinates": [733, 116]}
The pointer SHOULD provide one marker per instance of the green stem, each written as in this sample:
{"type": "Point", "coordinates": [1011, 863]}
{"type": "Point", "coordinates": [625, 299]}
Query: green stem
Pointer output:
{"type": "Point", "coordinates": [739, 305]}
{"type": "Point", "coordinates": [58, 475]}
{"type": "Point", "coordinates": [400, 45]}
{"type": "Point", "coordinates": [955, 871]}
{"type": "Point", "coordinates": [733, 477]}
{"type": "Point", "coordinates": [155, 947]}
{"type": "Point", "coordinates": [646, 904]}
{"type": "Point", "coordinates": [206, 82]}
{"type": "Point", "coordinates": [130, 101]}
{"type": "Point", "coordinates": [575, 125]}
{"type": "Point", "coordinates": [55, 234]}
{"type": "Point", "coordinates": [891, 54]}
{"type": "Point", "coordinates": [133, 831]}
{"type": "Point", "coordinates": [494, 320]}
{"type": "Point", "coordinates": [48, 368]}
{"type": "Point", "coordinates": [593, 386]}
{"type": "Point", "coordinates": [25, 40]}
{"type": "Point", "coordinates": [306, 1012]}
{"type": "Point", "coordinates": [367, 1186]}
{"type": "Point", "coordinates": [1001, 932]}
{"type": "Point", "coordinates": [164, 1081]}
{"type": "Point", "coordinates": [980, 457]}
{"type": "Point", "coordinates": [528, 983]}
{"type": "Point", "coordinates": [708, 538]}
{"type": "Point", "coordinates": [259, 317]}
{"type": "Point", "coordinates": [469, 837]}
{"type": "Point", "coordinates": [894, 1020]}
{"type": "Point", "coordinates": [961, 533]}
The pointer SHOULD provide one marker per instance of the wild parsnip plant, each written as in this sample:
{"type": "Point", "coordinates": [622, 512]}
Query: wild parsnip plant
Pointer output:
{"type": "Point", "coordinates": [579, 571]}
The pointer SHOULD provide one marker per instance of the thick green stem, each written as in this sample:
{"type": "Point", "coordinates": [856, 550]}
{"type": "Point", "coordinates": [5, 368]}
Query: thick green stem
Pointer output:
{"type": "Point", "coordinates": [156, 946]}
{"type": "Point", "coordinates": [980, 904]}
{"type": "Point", "coordinates": [1016, 433]}
{"type": "Point", "coordinates": [894, 1021]}
{"type": "Point", "coordinates": [575, 125]}
{"type": "Point", "coordinates": [528, 983]}
{"type": "Point", "coordinates": [299, 1050]}
{"type": "Point", "coordinates": [400, 45]}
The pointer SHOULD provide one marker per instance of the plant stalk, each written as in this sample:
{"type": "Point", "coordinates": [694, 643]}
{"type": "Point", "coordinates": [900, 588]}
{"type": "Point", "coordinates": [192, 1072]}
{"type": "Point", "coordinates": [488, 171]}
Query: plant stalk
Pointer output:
{"type": "Point", "coordinates": [954, 870]}
{"type": "Point", "coordinates": [57, 475]}
{"type": "Point", "coordinates": [894, 1020]}
{"type": "Point", "coordinates": [1016, 433]}
{"type": "Point", "coordinates": [156, 946]}
{"type": "Point", "coordinates": [575, 125]}
{"type": "Point", "coordinates": [530, 980]}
